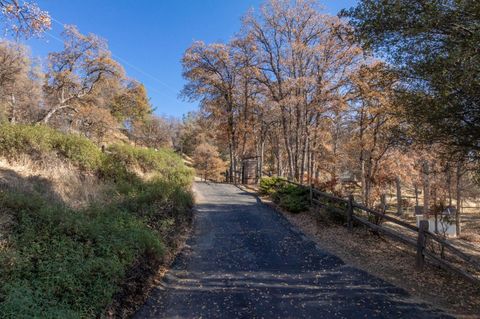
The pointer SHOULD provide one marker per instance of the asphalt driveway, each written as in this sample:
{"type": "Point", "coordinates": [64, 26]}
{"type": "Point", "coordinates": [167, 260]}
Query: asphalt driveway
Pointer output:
{"type": "Point", "coordinates": [244, 260]}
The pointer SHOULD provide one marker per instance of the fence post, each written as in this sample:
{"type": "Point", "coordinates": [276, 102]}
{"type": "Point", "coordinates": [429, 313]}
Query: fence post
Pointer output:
{"type": "Point", "coordinates": [350, 213]}
{"type": "Point", "coordinates": [421, 241]}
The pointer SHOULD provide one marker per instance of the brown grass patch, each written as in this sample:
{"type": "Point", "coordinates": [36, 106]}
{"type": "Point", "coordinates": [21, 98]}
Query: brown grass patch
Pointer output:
{"type": "Point", "coordinates": [53, 179]}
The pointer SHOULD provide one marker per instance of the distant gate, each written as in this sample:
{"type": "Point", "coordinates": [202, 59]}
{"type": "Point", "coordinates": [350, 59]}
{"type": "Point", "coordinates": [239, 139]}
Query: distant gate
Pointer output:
{"type": "Point", "coordinates": [249, 170]}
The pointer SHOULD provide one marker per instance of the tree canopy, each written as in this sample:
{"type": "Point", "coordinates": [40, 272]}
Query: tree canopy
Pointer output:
{"type": "Point", "coordinates": [23, 19]}
{"type": "Point", "coordinates": [433, 47]}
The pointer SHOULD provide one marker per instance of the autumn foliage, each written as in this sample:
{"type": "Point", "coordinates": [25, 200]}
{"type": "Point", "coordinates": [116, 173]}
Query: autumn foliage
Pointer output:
{"type": "Point", "coordinates": [207, 162]}
{"type": "Point", "coordinates": [82, 90]}
{"type": "Point", "coordinates": [296, 90]}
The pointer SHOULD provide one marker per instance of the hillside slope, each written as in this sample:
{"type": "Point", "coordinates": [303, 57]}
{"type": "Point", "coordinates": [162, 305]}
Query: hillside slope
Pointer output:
{"type": "Point", "coordinates": [75, 221]}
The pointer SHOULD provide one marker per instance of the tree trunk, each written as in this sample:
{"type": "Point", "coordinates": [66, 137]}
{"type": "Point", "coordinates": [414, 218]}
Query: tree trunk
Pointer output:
{"type": "Point", "coordinates": [399, 196]}
{"type": "Point", "coordinates": [383, 202]}
{"type": "Point", "coordinates": [13, 103]}
{"type": "Point", "coordinates": [232, 145]}
{"type": "Point", "coordinates": [363, 177]}
{"type": "Point", "coordinates": [426, 190]}
{"type": "Point", "coordinates": [416, 195]}
{"type": "Point", "coordinates": [48, 116]}
{"type": "Point", "coordinates": [434, 193]}
{"type": "Point", "coordinates": [296, 154]}
{"type": "Point", "coordinates": [287, 144]}
{"type": "Point", "coordinates": [449, 184]}
{"type": "Point", "coordinates": [309, 160]}
{"type": "Point", "coordinates": [303, 160]}
{"type": "Point", "coordinates": [231, 173]}
{"type": "Point", "coordinates": [206, 171]}
{"type": "Point", "coordinates": [459, 199]}
{"type": "Point", "coordinates": [367, 168]}
{"type": "Point", "coordinates": [279, 161]}
{"type": "Point", "coordinates": [312, 167]}
{"type": "Point", "coordinates": [262, 154]}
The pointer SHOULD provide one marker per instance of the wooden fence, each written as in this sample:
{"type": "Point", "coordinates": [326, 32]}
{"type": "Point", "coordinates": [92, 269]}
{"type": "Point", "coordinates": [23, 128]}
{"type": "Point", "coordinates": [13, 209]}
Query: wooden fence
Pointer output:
{"type": "Point", "coordinates": [419, 238]}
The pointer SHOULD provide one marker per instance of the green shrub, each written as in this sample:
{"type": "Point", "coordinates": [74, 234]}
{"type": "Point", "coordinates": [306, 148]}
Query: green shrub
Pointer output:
{"type": "Point", "coordinates": [293, 198]}
{"type": "Point", "coordinates": [269, 185]}
{"type": "Point", "coordinates": [66, 263]}
{"type": "Point", "coordinates": [41, 141]}
{"type": "Point", "coordinates": [117, 163]}
{"type": "Point", "coordinates": [167, 164]}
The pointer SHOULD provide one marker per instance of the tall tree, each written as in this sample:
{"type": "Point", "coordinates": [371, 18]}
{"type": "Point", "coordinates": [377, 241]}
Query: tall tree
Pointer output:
{"type": "Point", "coordinates": [20, 83]}
{"type": "Point", "coordinates": [74, 72]}
{"type": "Point", "coordinates": [213, 75]}
{"type": "Point", "coordinates": [302, 60]}
{"type": "Point", "coordinates": [433, 45]}
{"type": "Point", "coordinates": [374, 122]}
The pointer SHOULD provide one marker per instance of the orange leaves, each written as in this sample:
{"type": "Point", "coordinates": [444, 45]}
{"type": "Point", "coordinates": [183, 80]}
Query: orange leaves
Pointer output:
{"type": "Point", "coordinates": [20, 83]}
{"type": "Point", "coordinates": [207, 162]}
{"type": "Point", "coordinates": [75, 72]}
{"type": "Point", "coordinates": [94, 122]}
{"type": "Point", "coordinates": [25, 19]}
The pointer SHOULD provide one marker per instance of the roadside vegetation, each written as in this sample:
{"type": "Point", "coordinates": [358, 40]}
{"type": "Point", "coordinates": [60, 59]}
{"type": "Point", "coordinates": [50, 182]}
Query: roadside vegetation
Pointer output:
{"type": "Point", "coordinates": [293, 198]}
{"type": "Point", "coordinates": [208, 163]}
{"type": "Point", "coordinates": [68, 261]}
{"type": "Point", "coordinates": [86, 218]}
{"type": "Point", "coordinates": [391, 261]}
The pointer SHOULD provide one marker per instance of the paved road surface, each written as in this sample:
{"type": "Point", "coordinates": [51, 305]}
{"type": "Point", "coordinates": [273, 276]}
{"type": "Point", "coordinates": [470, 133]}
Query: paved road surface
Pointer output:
{"type": "Point", "coordinates": [246, 261]}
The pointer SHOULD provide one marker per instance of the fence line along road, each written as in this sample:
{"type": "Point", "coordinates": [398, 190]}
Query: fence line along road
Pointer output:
{"type": "Point", "coordinates": [356, 213]}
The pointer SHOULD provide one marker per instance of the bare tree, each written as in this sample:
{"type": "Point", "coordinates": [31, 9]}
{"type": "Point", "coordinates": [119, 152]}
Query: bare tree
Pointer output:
{"type": "Point", "coordinates": [152, 132]}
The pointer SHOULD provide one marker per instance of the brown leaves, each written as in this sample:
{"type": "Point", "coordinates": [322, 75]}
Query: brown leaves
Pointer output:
{"type": "Point", "coordinates": [25, 19]}
{"type": "Point", "coordinates": [20, 83]}
{"type": "Point", "coordinates": [208, 163]}
{"type": "Point", "coordinates": [75, 72]}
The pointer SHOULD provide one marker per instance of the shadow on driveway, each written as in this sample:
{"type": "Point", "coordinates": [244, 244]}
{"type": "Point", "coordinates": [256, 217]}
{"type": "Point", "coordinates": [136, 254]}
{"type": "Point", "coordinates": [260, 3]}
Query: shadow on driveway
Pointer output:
{"type": "Point", "coordinates": [246, 261]}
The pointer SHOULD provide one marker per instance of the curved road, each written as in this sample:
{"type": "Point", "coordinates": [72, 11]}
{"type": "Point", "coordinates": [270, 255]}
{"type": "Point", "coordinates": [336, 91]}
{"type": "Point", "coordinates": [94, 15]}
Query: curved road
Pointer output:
{"type": "Point", "coordinates": [244, 260]}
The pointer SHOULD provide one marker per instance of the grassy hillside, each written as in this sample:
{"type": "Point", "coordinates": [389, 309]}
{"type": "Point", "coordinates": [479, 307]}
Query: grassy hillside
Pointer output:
{"type": "Point", "coordinates": [60, 259]}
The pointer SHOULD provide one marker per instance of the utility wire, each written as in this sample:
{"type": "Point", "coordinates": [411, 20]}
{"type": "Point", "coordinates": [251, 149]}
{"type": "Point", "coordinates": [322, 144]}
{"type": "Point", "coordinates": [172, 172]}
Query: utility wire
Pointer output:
{"type": "Point", "coordinates": [170, 88]}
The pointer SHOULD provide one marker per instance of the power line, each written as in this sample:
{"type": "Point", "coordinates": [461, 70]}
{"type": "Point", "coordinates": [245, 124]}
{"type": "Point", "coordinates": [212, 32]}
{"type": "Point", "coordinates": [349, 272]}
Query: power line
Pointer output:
{"type": "Point", "coordinates": [124, 61]}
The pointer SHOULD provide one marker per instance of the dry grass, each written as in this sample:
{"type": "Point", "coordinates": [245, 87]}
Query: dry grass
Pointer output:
{"type": "Point", "coordinates": [471, 227]}
{"type": "Point", "coordinates": [471, 237]}
{"type": "Point", "coordinates": [53, 179]}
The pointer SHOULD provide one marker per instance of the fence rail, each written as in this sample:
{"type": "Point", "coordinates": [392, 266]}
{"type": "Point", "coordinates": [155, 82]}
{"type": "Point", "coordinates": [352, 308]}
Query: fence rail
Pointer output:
{"type": "Point", "coordinates": [419, 242]}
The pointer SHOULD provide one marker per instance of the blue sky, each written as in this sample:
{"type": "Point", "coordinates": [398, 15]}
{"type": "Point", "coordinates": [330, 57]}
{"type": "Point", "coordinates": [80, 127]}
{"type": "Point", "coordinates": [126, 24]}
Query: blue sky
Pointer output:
{"type": "Point", "coordinates": [148, 37]}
